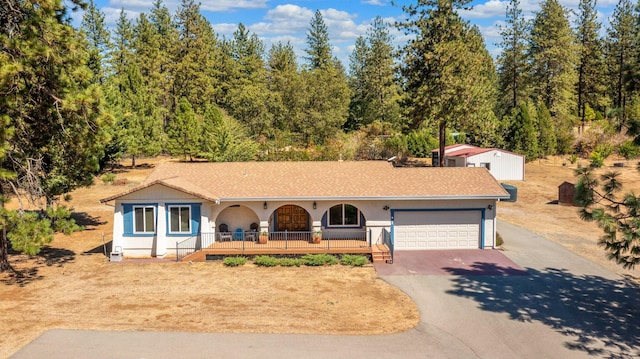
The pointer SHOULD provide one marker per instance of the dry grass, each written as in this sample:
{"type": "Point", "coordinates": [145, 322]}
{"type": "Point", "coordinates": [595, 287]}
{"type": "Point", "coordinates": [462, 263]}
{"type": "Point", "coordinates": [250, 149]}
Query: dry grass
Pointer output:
{"type": "Point", "coordinates": [536, 210]}
{"type": "Point", "coordinates": [72, 285]}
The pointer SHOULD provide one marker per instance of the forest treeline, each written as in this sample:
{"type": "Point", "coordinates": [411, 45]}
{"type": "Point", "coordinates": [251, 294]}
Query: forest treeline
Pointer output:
{"type": "Point", "coordinates": [73, 100]}
{"type": "Point", "coordinates": [172, 85]}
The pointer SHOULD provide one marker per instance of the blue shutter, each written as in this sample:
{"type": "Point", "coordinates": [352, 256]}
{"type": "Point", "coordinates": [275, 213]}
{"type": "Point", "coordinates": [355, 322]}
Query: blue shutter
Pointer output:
{"type": "Point", "coordinates": [127, 218]}
{"type": "Point", "coordinates": [195, 218]}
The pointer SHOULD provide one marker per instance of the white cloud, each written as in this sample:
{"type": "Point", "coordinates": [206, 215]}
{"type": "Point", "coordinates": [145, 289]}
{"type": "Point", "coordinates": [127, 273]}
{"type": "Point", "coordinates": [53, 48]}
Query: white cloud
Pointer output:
{"type": "Point", "coordinates": [290, 18]}
{"type": "Point", "coordinates": [375, 2]}
{"type": "Point", "coordinates": [231, 5]}
{"type": "Point", "coordinates": [111, 15]}
{"type": "Point", "coordinates": [491, 8]}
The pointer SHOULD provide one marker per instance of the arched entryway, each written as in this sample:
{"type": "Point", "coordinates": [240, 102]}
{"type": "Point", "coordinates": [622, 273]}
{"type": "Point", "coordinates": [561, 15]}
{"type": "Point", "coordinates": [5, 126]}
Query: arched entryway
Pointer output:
{"type": "Point", "coordinates": [291, 218]}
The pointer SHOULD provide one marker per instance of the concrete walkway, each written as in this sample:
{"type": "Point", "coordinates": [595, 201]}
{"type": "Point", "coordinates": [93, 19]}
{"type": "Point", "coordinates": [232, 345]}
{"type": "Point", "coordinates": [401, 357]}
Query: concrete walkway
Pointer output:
{"type": "Point", "coordinates": [563, 307]}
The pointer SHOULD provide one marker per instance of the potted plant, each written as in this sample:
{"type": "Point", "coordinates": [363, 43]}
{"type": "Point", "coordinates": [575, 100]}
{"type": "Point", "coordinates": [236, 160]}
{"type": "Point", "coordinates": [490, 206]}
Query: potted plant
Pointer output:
{"type": "Point", "coordinates": [316, 237]}
{"type": "Point", "coordinates": [263, 237]}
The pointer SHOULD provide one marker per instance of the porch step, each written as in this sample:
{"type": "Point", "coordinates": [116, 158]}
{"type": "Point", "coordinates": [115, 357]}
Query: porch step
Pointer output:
{"type": "Point", "coordinates": [380, 253]}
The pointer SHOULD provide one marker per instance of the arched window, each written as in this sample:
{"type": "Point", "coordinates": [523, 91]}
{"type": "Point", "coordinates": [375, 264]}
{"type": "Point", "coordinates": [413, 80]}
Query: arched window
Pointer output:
{"type": "Point", "coordinates": [344, 215]}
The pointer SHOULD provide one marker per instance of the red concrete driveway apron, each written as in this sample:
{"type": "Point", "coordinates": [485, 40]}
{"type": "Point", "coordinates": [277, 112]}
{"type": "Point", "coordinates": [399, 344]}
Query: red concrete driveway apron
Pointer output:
{"type": "Point", "coordinates": [450, 262]}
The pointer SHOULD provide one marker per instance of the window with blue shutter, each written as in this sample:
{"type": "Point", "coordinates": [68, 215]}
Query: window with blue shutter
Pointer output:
{"type": "Point", "coordinates": [183, 219]}
{"type": "Point", "coordinates": [139, 219]}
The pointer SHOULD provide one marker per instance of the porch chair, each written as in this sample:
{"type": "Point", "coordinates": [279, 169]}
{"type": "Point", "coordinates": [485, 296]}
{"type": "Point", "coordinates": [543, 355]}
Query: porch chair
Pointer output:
{"type": "Point", "coordinates": [225, 235]}
{"type": "Point", "coordinates": [238, 235]}
{"type": "Point", "coordinates": [251, 235]}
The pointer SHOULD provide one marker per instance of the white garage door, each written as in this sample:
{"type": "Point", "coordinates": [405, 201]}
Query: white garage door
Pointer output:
{"type": "Point", "coordinates": [437, 230]}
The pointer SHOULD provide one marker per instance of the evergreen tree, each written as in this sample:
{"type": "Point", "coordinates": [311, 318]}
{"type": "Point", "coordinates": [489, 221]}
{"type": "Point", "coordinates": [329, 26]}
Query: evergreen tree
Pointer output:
{"type": "Point", "coordinates": [285, 84]}
{"type": "Point", "coordinates": [615, 213]}
{"type": "Point", "coordinates": [620, 47]}
{"type": "Point", "coordinates": [546, 132]}
{"type": "Point", "coordinates": [382, 90]}
{"type": "Point", "coordinates": [122, 55]}
{"type": "Point", "coordinates": [318, 47]}
{"type": "Point", "coordinates": [194, 58]}
{"type": "Point", "coordinates": [248, 98]}
{"type": "Point", "coordinates": [159, 60]}
{"type": "Point", "coordinates": [553, 55]}
{"type": "Point", "coordinates": [325, 104]}
{"type": "Point", "coordinates": [224, 139]}
{"type": "Point", "coordinates": [52, 115]}
{"type": "Point", "coordinates": [512, 61]}
{"type": "Point", "coordinates": [184, 131]}
{"type": "Point", "coordinates": [590, 85]}
{"type": "Point", "coordinates": [326, 101]}
{"type": "Point", "coordinates": [95, 30]}
{"type": "Point", "coordinates": [358, 106]}
{"type": "Point", "coordinates": [442, 81]}
{"type": "Point", "coordinates": [523, 135]}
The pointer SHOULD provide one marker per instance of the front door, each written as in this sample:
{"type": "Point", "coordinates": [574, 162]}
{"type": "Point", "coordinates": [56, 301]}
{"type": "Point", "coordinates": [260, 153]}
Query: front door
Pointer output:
{"type": "Point", "coordinates": [292, 218]}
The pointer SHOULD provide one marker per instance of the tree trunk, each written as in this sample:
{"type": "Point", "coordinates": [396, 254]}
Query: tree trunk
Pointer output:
{"type": "Point", "coordinates": [133, 161]}
{"type": "Point", "coordinates": [4, 241]}
{"type": "Point", "coordinates": [442, 136]}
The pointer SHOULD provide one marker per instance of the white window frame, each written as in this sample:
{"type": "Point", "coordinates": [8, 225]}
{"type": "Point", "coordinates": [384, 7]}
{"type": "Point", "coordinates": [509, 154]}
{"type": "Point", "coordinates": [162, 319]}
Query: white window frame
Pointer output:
{"type": "Point", "coordinates": [180, 230]}
{"type": "Point", "coordinates": [357, 224]}
{"type": "Point", "coordinates": [144, 222]}
{"type": "Point", "coordinates": [486, 165]}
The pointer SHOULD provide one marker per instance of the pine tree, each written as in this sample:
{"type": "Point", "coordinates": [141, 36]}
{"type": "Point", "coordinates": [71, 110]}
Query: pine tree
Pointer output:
{"type": "Point", "coordinates": [512, 61]}
{"type": "Point", "coordinates": [590, 85]}
{"type": "Point", "coordinates": [285, 84]}
{"type": "Point", "coordinates": [620, 47]}
{"type": "Point", "coordinates": [442, 81]}
{"type": "Point", "coordinates": [248, 99]}
{"type": "Point", "coordinates": [553, 55]}
{"type": "Point", "coordinates": [95, 30]}
{"type": "Point", "coordinates": [184, 131]}
{"type": "Point", "coordinates": [546, 132]}
{"type": "Point", "coordinates": [358, 106]}
{"type": "Point", "coordinates": [194, 58]}
{"type": "Point", "coordinates": [523, 137]}
{"type": "Point", "coordinates": [326, 93]}
{"type": "Point", "coordinates": [318, 47]}
{"type": "Point", "coordinates": [160, 61]}
{"type": "Point", "coordinates": [224, 139]}
{"type": "Point", "coordinates": [382, 90]}
{"type": "Point", "coordinates": [553, 60]}
{"type": "Point", "coordinates": [53, 115]}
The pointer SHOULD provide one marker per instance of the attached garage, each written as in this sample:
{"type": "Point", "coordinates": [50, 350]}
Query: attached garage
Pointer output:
{"type": "Point", "coordinates": [438, 229]}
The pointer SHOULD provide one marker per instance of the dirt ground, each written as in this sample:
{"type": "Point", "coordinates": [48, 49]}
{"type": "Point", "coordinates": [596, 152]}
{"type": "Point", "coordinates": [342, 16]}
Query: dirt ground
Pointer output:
{"type": "Point", "coordinates": [72, 285]}
{"type": "Point", "coordinates": [537, 209]}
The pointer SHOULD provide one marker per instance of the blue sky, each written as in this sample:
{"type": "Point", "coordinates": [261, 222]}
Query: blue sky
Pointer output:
{"type": "Point", "coordinates": [276, 20]}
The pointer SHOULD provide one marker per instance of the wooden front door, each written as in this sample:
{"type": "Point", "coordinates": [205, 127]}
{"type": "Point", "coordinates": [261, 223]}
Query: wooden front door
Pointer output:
{"type": "Point", "coordinates": [292, 218]}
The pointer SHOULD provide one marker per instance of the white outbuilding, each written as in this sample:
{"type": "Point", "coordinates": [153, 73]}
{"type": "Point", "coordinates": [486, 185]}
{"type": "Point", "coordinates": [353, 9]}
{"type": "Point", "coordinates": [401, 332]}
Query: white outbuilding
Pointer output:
{"type": "Point", "coordinates": [503, 165]}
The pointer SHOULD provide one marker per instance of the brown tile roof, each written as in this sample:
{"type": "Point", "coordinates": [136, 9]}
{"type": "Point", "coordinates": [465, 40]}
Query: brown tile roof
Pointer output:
{"type": "Point", "coordinates": [317, 180]}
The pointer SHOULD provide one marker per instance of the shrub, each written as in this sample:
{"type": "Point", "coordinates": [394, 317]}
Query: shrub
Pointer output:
{"type": "Point", "coordinates": [290, 262]}
{"type": "Point", "coordinates": [319, 259]}
{"type": "Point", "coordinates": [353, 260]}
{"type": "Point", "coordinates": [499, 240]}
{"type": "Point", "coordinates": [628, 150]}
{"type": "Point", "coordinates": [234, 261]}
{"type": "Point", "coordinates": [265, 261]}
{"type": "Point", "coordinates": [573, 159]}
{"type": "Point", "coordinates": [108, 178]}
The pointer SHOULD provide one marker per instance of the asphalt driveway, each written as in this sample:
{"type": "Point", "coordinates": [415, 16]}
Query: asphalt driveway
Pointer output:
{"type": "Point", "coordinates": [533, 300]}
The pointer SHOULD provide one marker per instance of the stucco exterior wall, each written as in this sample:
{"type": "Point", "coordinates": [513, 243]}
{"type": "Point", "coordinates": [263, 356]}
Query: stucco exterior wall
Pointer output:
{"type": "Point", "coordinates": [240, 214]}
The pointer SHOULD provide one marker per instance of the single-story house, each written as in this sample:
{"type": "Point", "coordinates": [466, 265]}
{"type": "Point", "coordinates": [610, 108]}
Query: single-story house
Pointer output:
{"type": "Point", "coordinates": [410, 208]}
{"type": "Point", "coordinates": [503, 165]}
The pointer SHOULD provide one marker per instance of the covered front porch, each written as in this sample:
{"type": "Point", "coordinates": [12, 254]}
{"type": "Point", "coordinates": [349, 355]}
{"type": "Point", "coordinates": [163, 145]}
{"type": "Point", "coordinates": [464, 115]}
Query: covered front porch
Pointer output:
{"type": "Point", "coordinates": [199, 247]}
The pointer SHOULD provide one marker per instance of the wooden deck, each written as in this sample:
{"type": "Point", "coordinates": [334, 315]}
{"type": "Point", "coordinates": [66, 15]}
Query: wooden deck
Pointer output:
{"type": "Point", "coordinates": [293, 247]}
